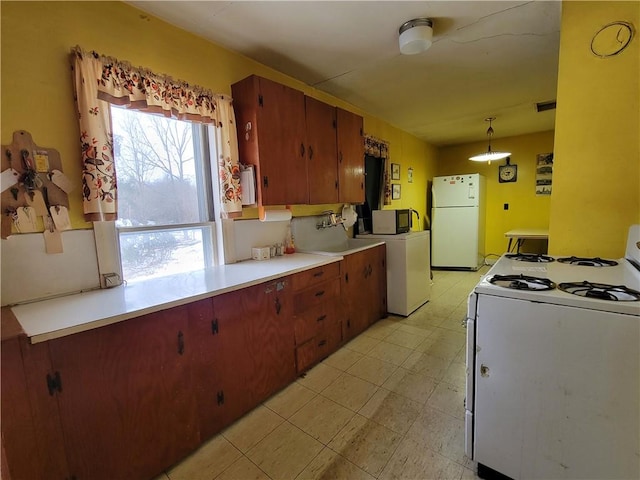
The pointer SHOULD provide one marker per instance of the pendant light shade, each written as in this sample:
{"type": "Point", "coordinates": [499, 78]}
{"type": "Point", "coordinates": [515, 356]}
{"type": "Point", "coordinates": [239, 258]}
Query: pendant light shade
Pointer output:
{"type": "Point", "coordinates": [416, 36]}
{"type": "Point", "coordinates": [489, 155]}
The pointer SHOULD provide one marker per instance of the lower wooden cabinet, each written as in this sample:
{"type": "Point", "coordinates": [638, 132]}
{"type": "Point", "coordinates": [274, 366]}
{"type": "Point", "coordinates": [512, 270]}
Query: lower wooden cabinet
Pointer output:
{"type": "Point", "coordinates": [125, 398]}
{"type": "Point", "coordinates": [317, 323]}
{"type": "Point", "coordinates": [131, 399]}
{"type": "Point", "coordinates": [364, 289]}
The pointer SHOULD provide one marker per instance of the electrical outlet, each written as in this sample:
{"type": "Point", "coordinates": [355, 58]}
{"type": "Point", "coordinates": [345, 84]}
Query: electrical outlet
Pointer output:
{"type": "Point", "coordinates": [506, 206]}
{"type": "Point", "coordinates": [111, 280]}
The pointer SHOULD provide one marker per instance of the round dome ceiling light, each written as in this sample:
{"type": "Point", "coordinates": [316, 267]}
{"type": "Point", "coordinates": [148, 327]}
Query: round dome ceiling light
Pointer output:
{"type": "Point", "coordinates": [416, 36]}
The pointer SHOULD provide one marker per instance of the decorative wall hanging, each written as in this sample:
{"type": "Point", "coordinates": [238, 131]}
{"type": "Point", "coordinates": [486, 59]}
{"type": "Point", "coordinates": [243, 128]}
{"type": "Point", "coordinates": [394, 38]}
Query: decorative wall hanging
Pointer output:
{"type": "Point", "coordinates": [34, 186]}
{"type": "Point", "coordinates": [395, 195]}
{"type": "Point", "coordinates": [544, 173]}
{"type": "Point", "coordinates": [395, 171]}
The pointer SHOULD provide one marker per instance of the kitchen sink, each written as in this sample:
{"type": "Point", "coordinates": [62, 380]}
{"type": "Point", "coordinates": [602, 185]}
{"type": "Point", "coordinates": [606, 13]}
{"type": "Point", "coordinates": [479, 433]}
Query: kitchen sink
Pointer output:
{"type": "Point", "coordinates": [345, 247]}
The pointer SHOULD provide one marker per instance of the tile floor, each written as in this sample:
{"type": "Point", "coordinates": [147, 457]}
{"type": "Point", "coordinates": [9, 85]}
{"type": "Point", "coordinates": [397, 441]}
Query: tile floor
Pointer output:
{"type": "Point", "coordinates": [387, 405]}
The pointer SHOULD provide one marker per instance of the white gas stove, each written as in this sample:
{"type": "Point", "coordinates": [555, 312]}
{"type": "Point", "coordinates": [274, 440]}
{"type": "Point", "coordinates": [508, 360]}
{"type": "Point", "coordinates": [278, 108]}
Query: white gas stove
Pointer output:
{"type": "Point", "coordinates": [553, 367]}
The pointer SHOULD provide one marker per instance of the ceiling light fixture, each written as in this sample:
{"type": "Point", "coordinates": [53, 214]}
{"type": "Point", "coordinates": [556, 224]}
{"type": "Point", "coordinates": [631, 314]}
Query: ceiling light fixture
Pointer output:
{"type": "Point", "coordinates": [489, 154]}
{"type": "Point", "coordinates": [415, 36]}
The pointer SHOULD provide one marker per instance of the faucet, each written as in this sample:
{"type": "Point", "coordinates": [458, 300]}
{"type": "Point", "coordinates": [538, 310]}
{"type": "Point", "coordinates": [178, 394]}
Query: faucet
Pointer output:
{"type": "Point", "coordinates": [331, 220]}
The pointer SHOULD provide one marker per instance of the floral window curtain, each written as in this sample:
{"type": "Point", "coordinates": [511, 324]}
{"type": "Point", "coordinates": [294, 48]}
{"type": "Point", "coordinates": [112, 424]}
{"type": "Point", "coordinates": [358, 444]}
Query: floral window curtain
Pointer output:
{"type": "Point", "coordinates": [379, 148]}
{"type": "Point", "coordinates": [100, 80]}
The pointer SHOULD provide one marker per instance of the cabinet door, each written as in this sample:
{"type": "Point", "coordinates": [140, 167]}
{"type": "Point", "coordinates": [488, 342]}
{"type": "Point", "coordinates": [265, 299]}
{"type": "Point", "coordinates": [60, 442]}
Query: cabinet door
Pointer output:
{"type": "Point", "coordinates": [31, 434]}
{"type": "Point", "coordinates": [271, 344]}
{"type": "Point", "coordinates": [350, 157]}
{"type": "Point", "coordinates": [321, 152]}
{"type": "Point", "coordinates": [363, 285]}
{"type": "Point", "coordinates": [358, 295]}
{"type": "Point", "coordinates": [271, 135]}
{"type": "Point", "coordinates": [125, 402]}
{"type": "Point", "coordinates": [220, 368]}
{"type": "Point", "coordinates": [379, 283]}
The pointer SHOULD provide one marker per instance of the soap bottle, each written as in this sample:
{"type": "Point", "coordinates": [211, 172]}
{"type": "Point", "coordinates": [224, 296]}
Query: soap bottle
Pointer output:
{"type": "Point", "coordinates": [288, 242]}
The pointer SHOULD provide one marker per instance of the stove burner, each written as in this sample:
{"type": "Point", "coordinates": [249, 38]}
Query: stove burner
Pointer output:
{"type": "Point", "coordinates": [529, 257]}
{"type": "Point", "coordinates": [589, 262]}
{"type": "Point", "coordinates": [522, 282]}
{"type": "Point", "coordinates": [602, 291]}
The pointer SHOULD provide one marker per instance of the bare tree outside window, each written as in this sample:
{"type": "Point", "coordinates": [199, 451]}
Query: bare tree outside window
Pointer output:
{"type": "Point", "coordinates": [162, 193]}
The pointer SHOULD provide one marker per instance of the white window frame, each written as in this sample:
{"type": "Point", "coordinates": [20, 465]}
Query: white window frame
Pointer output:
{"type": "Point", "coordinates": [107, 234]}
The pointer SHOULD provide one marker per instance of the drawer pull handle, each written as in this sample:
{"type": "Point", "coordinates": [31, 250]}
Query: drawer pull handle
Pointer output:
{"type": "Point", "coordinates": [321, 318]}
{"type": "Point", "coordinates": [318, 274]}
{"type": "Point", "coordinates": [322, 343]}
{"type": "Point", "coordinates": [320, 293]}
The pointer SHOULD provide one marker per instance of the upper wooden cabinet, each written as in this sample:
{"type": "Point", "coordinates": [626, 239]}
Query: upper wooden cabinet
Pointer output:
{"type": "Point", "coordinates": [322, 152]}
{"type": "Point", "coordinates": [350, 141]}
{"type": "Point", "coordinates": [270, 121]}
{"type": "Point", "coordinates": [305, 151]}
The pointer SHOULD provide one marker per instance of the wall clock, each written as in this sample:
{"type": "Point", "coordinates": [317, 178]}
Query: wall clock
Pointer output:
{"type": "Point", "coordinates": [508, 172]}
{"type": "Point", "coordinates": [611, 39]}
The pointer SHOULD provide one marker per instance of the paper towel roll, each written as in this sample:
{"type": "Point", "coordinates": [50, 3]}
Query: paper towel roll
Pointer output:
{"type": "Point", "coordinates": [274, 215]}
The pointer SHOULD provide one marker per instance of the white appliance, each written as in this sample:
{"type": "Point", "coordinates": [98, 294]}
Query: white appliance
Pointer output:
{"type": "Point", "coordinates": [458, 221]}
{"type": "Point", "coordinates": [553, 373]}
{"type": "Point", "coordinates": [408, 270]}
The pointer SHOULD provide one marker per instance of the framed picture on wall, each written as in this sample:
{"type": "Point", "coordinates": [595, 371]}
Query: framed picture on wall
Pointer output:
{"type": "Point", "coordinates": [395, 191]}
{"type": "Point", "coordinates": [395, 171]}
{"type": "Point", "coordinates": [410, 175]}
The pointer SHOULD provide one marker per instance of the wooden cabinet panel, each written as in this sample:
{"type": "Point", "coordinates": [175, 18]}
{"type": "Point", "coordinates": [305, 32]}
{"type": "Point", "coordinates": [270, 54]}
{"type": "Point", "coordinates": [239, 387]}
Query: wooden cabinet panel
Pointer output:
{"type": "Point", "coordinates": [25, 453]}
{"type": "Point", "coordinates": [364, 287]}
{"type": "Point", "coordinates": [270, 121]}
{"type": "Point", "coordinates": [313, 320]}
{"type": "Point", "coordinates": [220, 369]}
{"type": "Point", "coordinates": [321, 152]}
{"type": "Point", "coordinates": [321, 293]}
{"type": "Point", "coordinates": [350, 140]}
{"type": "Point", "coordinates": [314, 276]}
{"type": "Point", "coordinates": [126, 405]}
{"type": "Point", "coordinates": [271, 338]}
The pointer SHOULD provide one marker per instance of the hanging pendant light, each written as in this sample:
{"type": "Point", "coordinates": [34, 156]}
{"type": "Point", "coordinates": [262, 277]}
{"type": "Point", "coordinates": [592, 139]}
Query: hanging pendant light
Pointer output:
{"type": "Point", "coordinates": [489, 154]}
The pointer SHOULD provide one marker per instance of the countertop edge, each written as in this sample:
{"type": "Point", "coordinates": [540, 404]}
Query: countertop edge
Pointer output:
{"type": "Point", "coordinates": [226, 278]}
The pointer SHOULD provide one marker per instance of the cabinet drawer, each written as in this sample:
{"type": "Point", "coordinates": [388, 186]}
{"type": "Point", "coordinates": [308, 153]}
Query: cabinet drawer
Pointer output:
{"type": "Point", "coordinates": [319, 346]}
{"type": "Point", "coordinates": [313, 320]}
{"type": "Point", "coordinates": [323, 292]}
{"type": "Point", "coordinates": [315, 276]}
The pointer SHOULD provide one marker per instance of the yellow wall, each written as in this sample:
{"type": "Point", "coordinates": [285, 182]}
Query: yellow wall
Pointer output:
{"type": "Point", "coordinates": [526, 209]}
{"type": "Point", "coordinates": [37, 91]}
{"type": "Point", "coordinates": [596, 193]}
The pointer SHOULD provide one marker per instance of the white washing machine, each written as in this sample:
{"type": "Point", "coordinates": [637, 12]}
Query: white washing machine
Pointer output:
{"type": "Point", "coordinates": [408, 270]}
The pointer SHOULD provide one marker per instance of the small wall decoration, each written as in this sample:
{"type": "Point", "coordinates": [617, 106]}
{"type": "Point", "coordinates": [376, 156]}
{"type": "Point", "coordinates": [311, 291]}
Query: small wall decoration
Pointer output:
{"type": "Point", "coordinates": [395, 171]}
{"type": "Point", "coordinates": [395, 191]}
{"type": "Point", "coordinates": [410, 175]}
{"type": "Point", "coordinates": [544, 173]}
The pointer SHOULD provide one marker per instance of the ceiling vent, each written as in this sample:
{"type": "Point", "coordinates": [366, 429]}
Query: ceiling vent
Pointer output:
{"type": "Point", "coordinates": [544, 106]}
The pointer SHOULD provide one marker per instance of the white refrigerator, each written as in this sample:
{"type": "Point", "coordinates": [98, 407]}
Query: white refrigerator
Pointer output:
{"type": "Point", "coordinates": [458, 221]}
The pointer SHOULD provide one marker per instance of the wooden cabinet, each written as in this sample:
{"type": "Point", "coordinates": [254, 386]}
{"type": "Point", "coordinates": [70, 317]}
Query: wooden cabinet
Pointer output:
{"type": "Point", "coordinates": [244, 351]}
{"type": "Point", "coordinates": [124, 395]}
{"type": "Point", "coordinates": [268, 308]}
{"type": "Point", "coordinates": [220, 372]}
{"type": "Point", "coordinates": [317, 324]}
{"type": "Point", "coordinates": [321, 152]}
{"type": "Point", "coordinates": [350, 141]}
{"type": "Point", "coordinates": [270, 121]}
{"type": "Point", "coordinates": [304, 150]}
{"type": "Point", "coordinates": [364, 289]}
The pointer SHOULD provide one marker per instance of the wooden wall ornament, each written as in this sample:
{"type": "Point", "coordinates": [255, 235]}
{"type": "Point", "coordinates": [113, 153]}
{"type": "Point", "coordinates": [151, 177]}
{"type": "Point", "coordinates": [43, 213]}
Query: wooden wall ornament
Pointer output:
{"type": "Point", "coordinates": [32, 178]}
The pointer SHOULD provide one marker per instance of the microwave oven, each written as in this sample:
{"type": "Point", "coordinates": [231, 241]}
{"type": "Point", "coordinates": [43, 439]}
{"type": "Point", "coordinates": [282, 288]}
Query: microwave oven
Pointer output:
{"type": "Point", "coordinates": [391, 222]}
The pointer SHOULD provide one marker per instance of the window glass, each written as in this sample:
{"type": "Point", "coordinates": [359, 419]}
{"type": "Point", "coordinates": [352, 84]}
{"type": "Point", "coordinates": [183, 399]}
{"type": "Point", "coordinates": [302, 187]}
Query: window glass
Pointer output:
{"type": "Point", "coordinates": [164, 185]}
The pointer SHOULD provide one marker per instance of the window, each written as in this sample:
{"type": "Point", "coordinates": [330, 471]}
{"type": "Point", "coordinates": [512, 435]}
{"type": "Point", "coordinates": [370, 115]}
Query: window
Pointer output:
{"type": "Point", "coordinates": [165, 211]}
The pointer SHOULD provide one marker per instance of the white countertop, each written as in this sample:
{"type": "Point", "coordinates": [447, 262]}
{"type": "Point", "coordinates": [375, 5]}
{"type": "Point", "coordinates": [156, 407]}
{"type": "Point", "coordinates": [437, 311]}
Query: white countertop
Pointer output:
{"type": "Point", "coordinates": [58, 317]}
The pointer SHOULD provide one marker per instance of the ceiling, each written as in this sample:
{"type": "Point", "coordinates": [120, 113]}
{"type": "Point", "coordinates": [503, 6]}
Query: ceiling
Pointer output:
{"type": "Point", "coordinates": [488, 58]}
